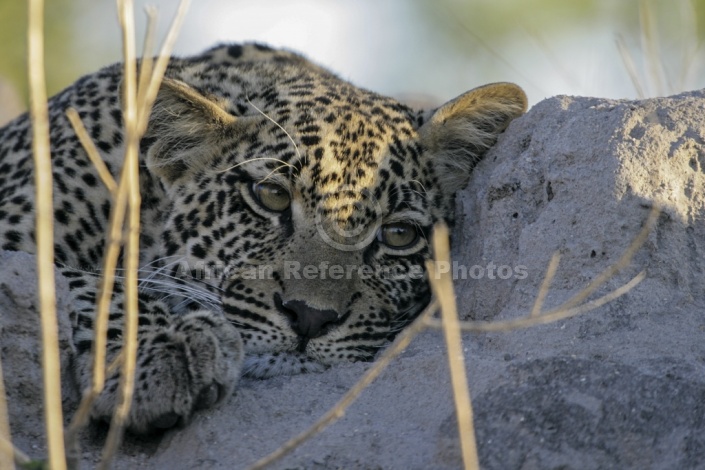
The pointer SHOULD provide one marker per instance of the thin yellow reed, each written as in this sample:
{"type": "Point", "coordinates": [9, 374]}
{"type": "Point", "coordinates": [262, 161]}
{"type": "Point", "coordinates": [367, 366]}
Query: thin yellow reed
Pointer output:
{"type": "Point", "coordinates": [149, 80]}
{"type": "Point", "coordinates": [51, 367]}
{"type": "Point", "coordinates": [131, 184]}
{"type": "Point", "coordinates": [20, 458]}
{"type": "Point", "coordinates": [553, 315]}
{"type": "Point", "coordinates": [546, 284]}
{"type": "Point", "coordinates": [137, 104]}
{"type": "Point", "coordinates": [442, 286]}
{"type": "Point", "coordinates": [7, 453]}
{"type": "Point", "coordinates": [91, 150]}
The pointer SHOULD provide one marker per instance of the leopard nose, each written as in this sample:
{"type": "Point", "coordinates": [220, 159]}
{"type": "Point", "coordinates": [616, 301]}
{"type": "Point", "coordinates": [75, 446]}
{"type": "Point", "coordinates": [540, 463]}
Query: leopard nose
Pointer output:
{"type": "Point", "coordinates": [306, 321]}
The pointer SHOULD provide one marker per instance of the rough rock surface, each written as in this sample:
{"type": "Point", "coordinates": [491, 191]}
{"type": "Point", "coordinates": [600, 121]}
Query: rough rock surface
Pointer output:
{"type": "Point", "coordinates": [624, 386]}
{"type": "Point", "coordinates": [21, 352]}
{"type": "Point", "coordinates": [619, 387]}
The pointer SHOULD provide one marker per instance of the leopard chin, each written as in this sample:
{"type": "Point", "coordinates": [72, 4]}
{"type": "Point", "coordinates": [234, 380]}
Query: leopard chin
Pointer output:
{"type": "Point", "coordinates": [265, 365]}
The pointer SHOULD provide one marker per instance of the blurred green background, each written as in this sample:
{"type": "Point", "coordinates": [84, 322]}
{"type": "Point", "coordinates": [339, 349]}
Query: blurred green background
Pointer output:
{"type": "Point", "coordinates": [422, 50]}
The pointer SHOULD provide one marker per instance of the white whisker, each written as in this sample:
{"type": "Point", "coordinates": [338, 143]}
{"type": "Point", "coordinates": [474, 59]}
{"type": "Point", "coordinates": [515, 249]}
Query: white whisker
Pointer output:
{"type": "Point", "coordinates": [278, 160]}
{"type": "Point", "coordinates": [298, 154]}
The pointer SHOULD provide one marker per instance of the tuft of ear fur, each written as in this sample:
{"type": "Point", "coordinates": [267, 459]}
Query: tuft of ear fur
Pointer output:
{"type": "Point", "coordinates": [184, 130]}
{"type": "Point", "coordinates": [459, 133]}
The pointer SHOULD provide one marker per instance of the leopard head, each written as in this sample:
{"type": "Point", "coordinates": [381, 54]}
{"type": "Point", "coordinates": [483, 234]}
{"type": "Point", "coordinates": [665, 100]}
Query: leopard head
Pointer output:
{"type": "Point", "coordinates": [307, 204]}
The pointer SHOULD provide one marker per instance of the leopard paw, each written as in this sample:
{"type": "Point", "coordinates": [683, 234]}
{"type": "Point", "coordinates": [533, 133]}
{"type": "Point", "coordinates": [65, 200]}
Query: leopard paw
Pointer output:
{"type": "Point", "coordinates": [190, 365]}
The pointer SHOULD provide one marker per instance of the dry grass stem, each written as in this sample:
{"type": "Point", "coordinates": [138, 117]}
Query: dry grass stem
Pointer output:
{"type": "Point", "coordinates": [560, 65]}
{"type": "Point", "coordinates": [546, 284]}
{"type": "Point", "coordinates": [621, 263]}
{"type": "Point", "coordinates": [691, 59]}
{"type": "Point", "coordinates": [137, 104]}
{"type": "Point", "coordinates": [570, 307]}
{"type": "Point", "coordinates": [630, 65]}
{"type": "Point", "coordinates": [550, 316]}
{"type": "Point", "coordinates": [114, 364]}
{"type": "Point", "coordinates": [91, 150]}
{"type": "Point", "coordinates": [338, 410]}
{"type": "Point", "coordinates": [105, 293]}
{"type": "Point", "coordinates": [442, 286]}
{"type": "Point", "coordinates": [100, 325]}
{"type": "Point", "coordinates": [127, 181]}
{"type": "Point", "coordinates": [6, 449]}
{"type": "Point", "coordinates": [15, 455]}
{"type": "Point", "coordinates": [123, 194]}
{"type": "Point", "coordinates": [51, 366]}
{"type": "Point", "coordinates": [146, 99]}
{"type": "Point", "coordinates": [147, 61]}
{"type": "Point", "coordinates": [454, 17]}
{"type": "Point", "coordinates": [650, 46]}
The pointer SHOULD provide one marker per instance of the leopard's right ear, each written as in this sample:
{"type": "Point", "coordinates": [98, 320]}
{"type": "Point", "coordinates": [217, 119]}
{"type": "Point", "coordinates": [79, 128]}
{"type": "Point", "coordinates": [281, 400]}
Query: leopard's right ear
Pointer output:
{"type": "Point", "coordinates": [459, 133]}
{"type": "Point", "coordinates": [184, 131]}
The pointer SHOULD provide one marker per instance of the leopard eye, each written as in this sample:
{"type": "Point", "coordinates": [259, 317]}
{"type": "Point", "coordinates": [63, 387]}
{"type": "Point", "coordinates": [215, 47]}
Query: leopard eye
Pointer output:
{"type": "Point", "coordinates": [271, 196]}
{"type": "Point", "coordinates": [398, 234]}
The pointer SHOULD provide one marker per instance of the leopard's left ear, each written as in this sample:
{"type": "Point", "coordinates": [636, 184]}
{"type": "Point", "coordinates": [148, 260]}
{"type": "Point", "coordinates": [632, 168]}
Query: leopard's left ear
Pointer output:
{"type": "Point", "coordinates": [185, 130]}
{"type": "Point", "coordinates": [459, 133]}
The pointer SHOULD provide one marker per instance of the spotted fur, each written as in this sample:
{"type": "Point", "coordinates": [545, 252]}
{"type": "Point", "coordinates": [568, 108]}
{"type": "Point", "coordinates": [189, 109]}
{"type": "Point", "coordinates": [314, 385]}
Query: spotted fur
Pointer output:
{"type": "Point", "coordinates": [255, 162]}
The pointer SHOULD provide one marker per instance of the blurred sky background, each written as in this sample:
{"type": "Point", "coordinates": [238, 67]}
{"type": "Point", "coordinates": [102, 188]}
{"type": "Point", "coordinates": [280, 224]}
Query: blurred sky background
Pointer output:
{"type": "Point", "coordinates": [430, 50]}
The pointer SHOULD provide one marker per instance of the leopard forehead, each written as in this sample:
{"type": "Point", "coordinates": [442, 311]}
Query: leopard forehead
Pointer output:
{"type": "Point", "coordinates": [322, 139]}
{"type": "Point", "coordinates": [338, 156]}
